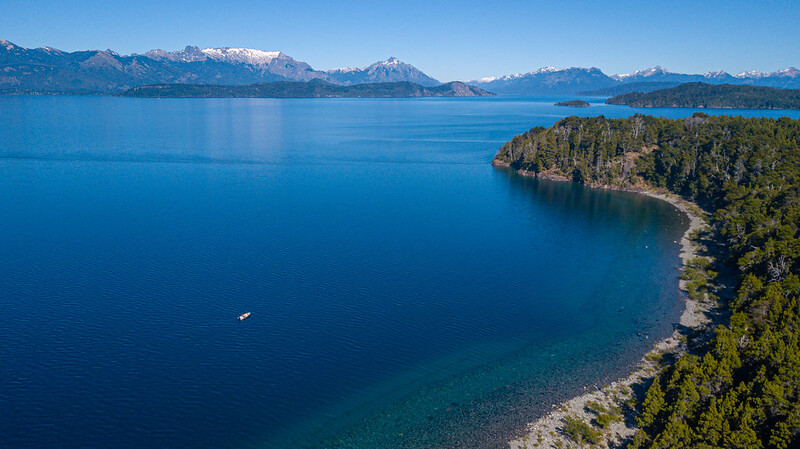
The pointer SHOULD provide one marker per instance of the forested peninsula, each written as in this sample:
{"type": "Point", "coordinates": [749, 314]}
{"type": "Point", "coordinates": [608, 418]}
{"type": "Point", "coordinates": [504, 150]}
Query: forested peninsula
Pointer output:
{"type": "Point", "coordinates": [702, 95]}
{"type": "Point", "coordinates": [311, 89]}
{"type": "Point", "coordinates": [741, 387]}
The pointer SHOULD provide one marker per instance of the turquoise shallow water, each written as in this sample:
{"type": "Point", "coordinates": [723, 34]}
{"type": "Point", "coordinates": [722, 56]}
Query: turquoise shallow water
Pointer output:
{"type": "Point", "coordinates": [404, 292]}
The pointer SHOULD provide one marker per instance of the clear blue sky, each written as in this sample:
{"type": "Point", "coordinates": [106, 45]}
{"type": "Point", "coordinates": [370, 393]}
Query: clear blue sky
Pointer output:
{"type": "Point", "coordinates": [446, 39]}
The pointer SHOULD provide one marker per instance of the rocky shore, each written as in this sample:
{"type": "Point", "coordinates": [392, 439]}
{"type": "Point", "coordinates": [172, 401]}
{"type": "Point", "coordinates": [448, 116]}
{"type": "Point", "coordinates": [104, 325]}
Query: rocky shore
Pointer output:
{"type": "Point", "coordinates": [615, 400]}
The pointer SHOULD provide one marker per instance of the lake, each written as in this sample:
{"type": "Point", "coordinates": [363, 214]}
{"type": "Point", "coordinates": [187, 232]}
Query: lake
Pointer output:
{"type": "Point", "coordinates": [404, 292]}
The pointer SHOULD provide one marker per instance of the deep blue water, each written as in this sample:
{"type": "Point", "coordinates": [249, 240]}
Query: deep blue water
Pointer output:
{"type": "Point", "coordinates": [404, 293]}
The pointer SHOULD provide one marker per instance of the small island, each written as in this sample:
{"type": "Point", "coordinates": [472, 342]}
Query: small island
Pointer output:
{"type": "Point", "coordinates": [310, 89]}
{"type": "Point", "coordinates": [574, 103]}
{"type": "Point", "coordinates": [702, 95]}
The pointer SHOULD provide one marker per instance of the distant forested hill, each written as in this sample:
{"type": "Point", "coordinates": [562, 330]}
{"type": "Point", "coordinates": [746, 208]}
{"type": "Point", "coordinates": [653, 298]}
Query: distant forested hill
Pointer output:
{"type": "Point", "coordinates": [702, 95]}
{"type": "Point", "coordinates": [311, 89]}
{"type": "Point", "coordinates": [742, 388]}
{"type": "Point", "coordinates": [644, 87]}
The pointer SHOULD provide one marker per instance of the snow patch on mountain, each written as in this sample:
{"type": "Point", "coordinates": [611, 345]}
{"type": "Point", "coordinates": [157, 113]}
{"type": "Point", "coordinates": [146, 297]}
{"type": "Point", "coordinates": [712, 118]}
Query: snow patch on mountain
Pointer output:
{"type": "Point", "coordinates": [7, 45]}
{"type": "Point", "coordinates": [716, 74]}
{"type": "Point", "coordinates": [644, 73]}
{"type": "Point", "coordinates": [344, 70]}
{"type": "Point", "coordinates": [514, 76]}
{"type": "Point", "coordinates": [242, 55]}
{"type": "Point", "coordinates": [548, 69]}
{"type": "Point", "coordinates": [53, 50]}
{"type": "Point", "coordinates": [392, 61]}
{"type": "Point", "coordinates": [788, 72]}
{"type": "Point", "coordinates": [750, 74]}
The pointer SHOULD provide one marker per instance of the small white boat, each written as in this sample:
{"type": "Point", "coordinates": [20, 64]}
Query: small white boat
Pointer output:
{"type": "Point", "coordinates": [244, 316]}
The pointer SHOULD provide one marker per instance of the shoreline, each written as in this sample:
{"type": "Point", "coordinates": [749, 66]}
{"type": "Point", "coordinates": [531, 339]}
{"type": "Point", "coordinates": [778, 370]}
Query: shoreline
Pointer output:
{"type": "Point", "coordinates": [548, 431]}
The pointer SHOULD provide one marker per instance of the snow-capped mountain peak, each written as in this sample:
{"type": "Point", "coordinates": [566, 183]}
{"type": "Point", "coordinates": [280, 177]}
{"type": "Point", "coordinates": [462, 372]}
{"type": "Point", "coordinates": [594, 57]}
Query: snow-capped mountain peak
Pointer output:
{"type": "Point", "coordinates": [716, 74]}
{"type": "Point", "coordinates": [651, 71]}
{"type": "Point", "coordinates": [790, 72]}
{"type": "Point", "coordinates": [489, 79]}
{"type": "Point", "coordinates": [391, 62]}
{"type": "Point", "coordinates": [644, 73]}
{"type": "Point", "coordinates": [54, 50]}
{"type": "Point", "coordinates": [7, 45]}
{"type": "Point", "coordinates": [511, 77]}
{"type": "Point", "coordinates": [344, 70]}
{"type": "Point", "coordinates": [250, 56]}
{"type": "Point", "coordinates": [241, 55]}
{"type": "Point", "coordinates": [750, 74]}
{"type": "Point", "coordinates": [548, 69]}
{"type": "Point", "coordinates": [541, 71]}
{"type": "Point", "coordinates": [188, 54]}
{"type": "Point", "coordinates": [390, 70]}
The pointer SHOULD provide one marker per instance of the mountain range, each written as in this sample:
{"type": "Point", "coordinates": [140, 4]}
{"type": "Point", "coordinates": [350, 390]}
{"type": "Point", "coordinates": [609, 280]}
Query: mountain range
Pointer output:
{"type": "Point", "coordinates": [47, 69]}
{"type": "Point", "coordinates": [592, 81]}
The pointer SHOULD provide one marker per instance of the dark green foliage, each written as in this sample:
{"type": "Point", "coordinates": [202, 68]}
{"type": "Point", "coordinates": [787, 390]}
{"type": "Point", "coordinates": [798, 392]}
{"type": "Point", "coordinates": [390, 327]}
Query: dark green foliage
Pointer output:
{"type": "Point", "coordinates": [699, 278]}
{"type": "Point", "coordinates": [574, 103]}
{"type": "Point", "coordinates": [604, 419]}
{"type": "Point", "coordinates": [702, 95]}
{"type": "Point", "coordinates": [298, 89]}
{"type": "Point", "coordinates": [743, 390]}
{"type": "Point", "coordinates": [595, 407]}
{"type": "Point", "coordinates": [641, 86]}
{"type": "Point", "coordinates": [653, 405]}
{"type": "Point", "coordinates": [580, 431]}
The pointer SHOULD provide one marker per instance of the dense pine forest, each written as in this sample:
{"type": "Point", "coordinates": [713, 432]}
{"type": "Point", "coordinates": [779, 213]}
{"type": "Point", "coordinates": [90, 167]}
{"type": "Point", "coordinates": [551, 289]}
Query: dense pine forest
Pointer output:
{"type": "Point", "coordinates": [742, 388]}
{"type": "Point", "coordinates": [702, 95]}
